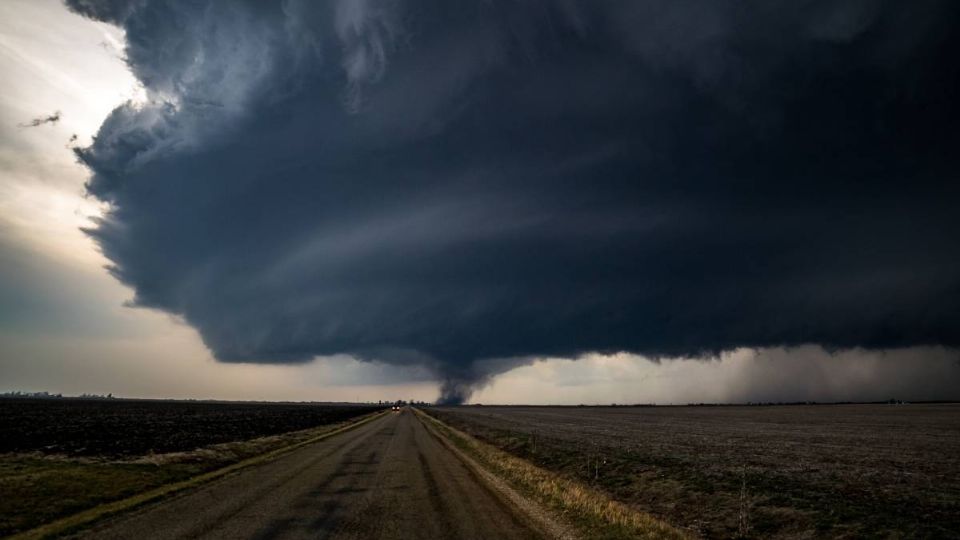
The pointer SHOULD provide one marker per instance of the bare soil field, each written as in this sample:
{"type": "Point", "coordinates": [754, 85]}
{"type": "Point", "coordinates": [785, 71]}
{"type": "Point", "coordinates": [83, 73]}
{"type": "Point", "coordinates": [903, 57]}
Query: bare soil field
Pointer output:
{"type": "Point", "coordinates": [120, 427]}
{"type": "Point", "coordinates": [751, 471]}
{"type": "Point", "coordinates": [61, 456]}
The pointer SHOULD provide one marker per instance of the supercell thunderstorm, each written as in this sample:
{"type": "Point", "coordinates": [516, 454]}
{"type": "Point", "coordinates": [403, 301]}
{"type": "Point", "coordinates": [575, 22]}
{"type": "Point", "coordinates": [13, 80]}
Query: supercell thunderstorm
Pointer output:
{"type": "Point", "coordinates": [466, 186]}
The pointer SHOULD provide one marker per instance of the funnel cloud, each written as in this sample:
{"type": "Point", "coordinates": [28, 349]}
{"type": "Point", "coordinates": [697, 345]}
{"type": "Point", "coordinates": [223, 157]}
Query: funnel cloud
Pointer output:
{"type": "Point", "coordinates": [470, 186]}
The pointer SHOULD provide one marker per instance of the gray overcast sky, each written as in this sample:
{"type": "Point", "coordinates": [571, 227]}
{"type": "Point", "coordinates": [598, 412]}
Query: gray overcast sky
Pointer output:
{"type": "Point", "coordinates": [345, 285]}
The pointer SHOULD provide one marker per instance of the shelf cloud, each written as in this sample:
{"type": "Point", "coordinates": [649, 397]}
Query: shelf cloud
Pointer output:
{"type": "Point", "coordinates": [468, 186]}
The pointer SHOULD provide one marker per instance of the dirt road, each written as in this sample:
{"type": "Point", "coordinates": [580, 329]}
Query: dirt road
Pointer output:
{"type": "Point", "coordinates": [389, 478]}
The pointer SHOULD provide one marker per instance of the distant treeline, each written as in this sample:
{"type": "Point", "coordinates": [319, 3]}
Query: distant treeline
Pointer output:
{"type": "Point", "coordinates": [48, 395]}
{"type": "Point", "coordinates": [35, 395]}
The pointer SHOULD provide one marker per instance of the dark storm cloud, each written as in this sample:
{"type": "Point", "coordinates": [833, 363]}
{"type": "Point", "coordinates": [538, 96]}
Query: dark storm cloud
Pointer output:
{"type": "Point", "coordinates": [461, 185]}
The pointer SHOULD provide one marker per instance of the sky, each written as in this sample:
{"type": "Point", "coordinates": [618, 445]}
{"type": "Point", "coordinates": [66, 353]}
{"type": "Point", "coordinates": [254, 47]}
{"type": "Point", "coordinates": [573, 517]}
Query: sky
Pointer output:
{"type": "Point", "coordinates": [542, 202]}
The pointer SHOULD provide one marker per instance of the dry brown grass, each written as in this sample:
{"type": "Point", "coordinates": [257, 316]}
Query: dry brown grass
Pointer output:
{"type": "Point", "coordinates": [845, 471]}
{"type": "Point", "coordinates": [593, 512]}
{"type": "Point", "coordinates": [47, 495]}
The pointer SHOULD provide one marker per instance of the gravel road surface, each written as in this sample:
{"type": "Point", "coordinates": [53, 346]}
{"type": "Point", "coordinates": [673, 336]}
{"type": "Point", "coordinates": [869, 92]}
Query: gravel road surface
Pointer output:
{"type": "Point", "coordinates": [389, 478]}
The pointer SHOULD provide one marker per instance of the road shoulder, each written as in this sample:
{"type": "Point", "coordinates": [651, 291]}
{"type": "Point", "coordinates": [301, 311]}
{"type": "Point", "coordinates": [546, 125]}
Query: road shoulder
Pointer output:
{"type": "Point", "coordinates": [85, 518]}
{"type": "Point", "coordinates": [557, 506]}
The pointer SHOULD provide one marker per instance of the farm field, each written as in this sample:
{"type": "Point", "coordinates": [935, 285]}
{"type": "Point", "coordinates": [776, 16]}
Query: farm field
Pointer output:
{"type": "Point", "coordinates": [60, 456]}
{"type": "Point", "coordinates": [751, 471]}
{"type": "Point", "coordinates": [118, 427]}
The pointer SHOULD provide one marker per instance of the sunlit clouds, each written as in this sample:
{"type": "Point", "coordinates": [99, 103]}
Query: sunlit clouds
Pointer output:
{"type": "Point", "coordinates": [53, 60]}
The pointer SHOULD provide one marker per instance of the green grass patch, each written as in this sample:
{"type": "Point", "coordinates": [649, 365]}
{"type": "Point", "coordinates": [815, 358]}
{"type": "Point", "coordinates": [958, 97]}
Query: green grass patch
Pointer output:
{"type": "Point", "coordinates": [38, 490]}
{"type": "Point", "coordinates": [44, 496]}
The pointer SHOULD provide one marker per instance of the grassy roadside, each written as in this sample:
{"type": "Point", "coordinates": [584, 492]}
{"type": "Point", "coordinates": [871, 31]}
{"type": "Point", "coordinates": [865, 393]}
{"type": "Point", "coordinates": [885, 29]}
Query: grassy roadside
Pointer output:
{"type": "Point", "coordinates": [594, 514]}
{"type": "Point", "coordinates": [837, 471]}
{"type": "Point", "coordinates": [44, 497]}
